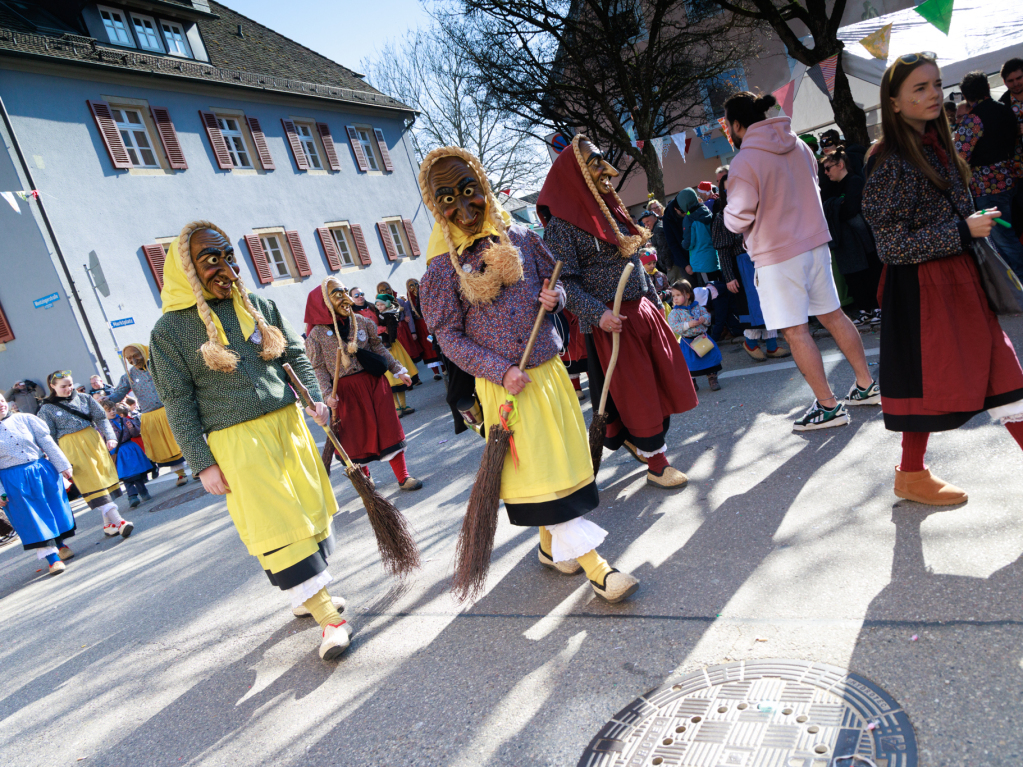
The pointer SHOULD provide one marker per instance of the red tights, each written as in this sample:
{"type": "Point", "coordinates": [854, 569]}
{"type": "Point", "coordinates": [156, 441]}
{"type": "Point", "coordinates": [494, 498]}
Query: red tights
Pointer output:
{"type": "Point", "coordinates": [397, 466]}
{"type": "Point", "coordinates": [914, 445]}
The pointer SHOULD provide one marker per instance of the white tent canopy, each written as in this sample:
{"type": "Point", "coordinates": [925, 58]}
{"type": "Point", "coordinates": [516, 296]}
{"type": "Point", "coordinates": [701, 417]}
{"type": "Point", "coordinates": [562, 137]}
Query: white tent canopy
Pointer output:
{"type": "Point", "coordinates": [983, 34]}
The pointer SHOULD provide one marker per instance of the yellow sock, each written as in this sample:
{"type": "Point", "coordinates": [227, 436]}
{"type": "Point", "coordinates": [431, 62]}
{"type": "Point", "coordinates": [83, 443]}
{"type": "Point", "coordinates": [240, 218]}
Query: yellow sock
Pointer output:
{"type": "Point", "coordinates": [596, 566]}
{"type": "Point", "coordinates": [401, 398]}
{"type": "Point", "coordinates": [322, 608]}
{"type": "Point", "coordinates": [397, 405]}
{"type": "Point", "coordinates": [180, 472]}
{"type": "Point", "coordinates": [545, 540]}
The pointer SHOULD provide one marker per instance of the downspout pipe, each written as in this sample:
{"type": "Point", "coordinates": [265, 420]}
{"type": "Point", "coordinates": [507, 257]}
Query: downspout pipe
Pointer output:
{"type": "Point", "coordinates": [53, 238]}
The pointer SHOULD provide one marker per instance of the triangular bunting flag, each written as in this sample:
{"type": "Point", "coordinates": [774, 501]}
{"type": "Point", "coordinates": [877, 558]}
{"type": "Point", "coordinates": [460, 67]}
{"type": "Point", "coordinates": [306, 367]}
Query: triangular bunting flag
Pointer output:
{"type": "Point", "coordinates": [682, 143]}
{"type": "Point", "coordinates": [9, 196]}
{"type": "Point", "coordinates": [658, 144]}
{"type": "Point", "coordinates": [877, 42]}
{"type": "Point", "coordinates": [937, 12]}
{"type": "Point", "coordinates": [724, 129]}
{"type": "Point", "coordinates": [815, 74]}
{"type": "Point", "coordinates": [785, 94]}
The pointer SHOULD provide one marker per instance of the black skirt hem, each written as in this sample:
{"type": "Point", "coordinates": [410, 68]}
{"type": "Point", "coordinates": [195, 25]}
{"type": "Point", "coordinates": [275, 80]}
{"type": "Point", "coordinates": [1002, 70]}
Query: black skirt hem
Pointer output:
{"type": "Point", "coordinates": [103, 500]}
{"type": "Point", "coordinates": [947, 421]}
{"type": "Point", "coordinates": [302, 571]}
{"type": "Point", "coordinates": [582, 501]}
{"type": "Point", "coordinates": [377, 456]}
{"type": "Point", "coordinates": [646, 444]}
{"type": "Point", "coordinates": [52, 541]}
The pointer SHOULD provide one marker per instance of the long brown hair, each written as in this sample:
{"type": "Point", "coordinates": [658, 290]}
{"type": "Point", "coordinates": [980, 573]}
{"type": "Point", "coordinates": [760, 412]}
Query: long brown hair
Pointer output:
{"type": "Point", "coordinates": [899, 138]}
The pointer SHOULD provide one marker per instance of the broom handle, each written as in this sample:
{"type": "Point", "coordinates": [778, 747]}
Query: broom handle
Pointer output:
{"type": "Point", "coordinates": [307, 400]}
{"type": "Point", "coordinates": [616, 338]}
{"type": "Point", "coordinates": [337, 368]}
{"type": "Point", "coordinates": [539, 320]}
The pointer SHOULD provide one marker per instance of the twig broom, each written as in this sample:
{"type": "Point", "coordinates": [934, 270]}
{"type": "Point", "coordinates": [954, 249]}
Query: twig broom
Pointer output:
{"type": "Point", "coordinates": [398, 548]}
{"type": "Point", "coordinates": [476, 540]}
{"type": "Point", "coordinates": [599, 422]}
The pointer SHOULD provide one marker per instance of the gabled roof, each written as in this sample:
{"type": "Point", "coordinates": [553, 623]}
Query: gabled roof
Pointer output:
{"type": "Point", "coordinates": [259, 58]}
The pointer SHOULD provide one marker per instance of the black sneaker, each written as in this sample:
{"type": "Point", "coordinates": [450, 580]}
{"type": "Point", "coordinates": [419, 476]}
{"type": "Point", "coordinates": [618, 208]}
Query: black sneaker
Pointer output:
{"type": "Point", "coordinates": [869, 396]}
{"type": "Point", "coordinates": [817, 417]}
{"type": "Point", "coordinates": [875, 317]}
{"type": "Point", "coordinates": [861, 318]}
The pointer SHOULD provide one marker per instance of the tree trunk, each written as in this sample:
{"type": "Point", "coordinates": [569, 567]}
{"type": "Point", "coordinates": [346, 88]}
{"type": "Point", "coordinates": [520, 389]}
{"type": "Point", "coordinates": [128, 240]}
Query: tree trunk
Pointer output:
{"type": "Point", "coordinates": [850, 118]}
{"type": "Point", "coordinates": [652, 169]}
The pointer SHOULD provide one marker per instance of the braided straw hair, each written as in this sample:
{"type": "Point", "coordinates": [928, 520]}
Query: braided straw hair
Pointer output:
{"type": "Point", "coordinates": [215, 354]}
{"type": "Point", "coordinates": [351, 346]}
{"type": "Point", "coordinates": [501, 261]}
{"type": "Point", "coordinates": [627, 244]}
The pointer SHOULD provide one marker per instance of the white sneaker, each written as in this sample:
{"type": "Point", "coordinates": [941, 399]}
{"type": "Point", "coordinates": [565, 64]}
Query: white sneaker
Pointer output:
{"type": "Point", "coordinates": [124, 528]}
{"type": "Point", "coordinates": [336, 639]}
{"type": "Point", "coordinates": [303, 612]}
{"type": "Point", "coordinates": [110, 529]}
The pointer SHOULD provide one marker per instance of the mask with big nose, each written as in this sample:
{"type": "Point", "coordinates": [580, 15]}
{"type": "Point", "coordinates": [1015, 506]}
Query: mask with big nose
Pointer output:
{"type": "Point", "coordinates": [458, 194]}
{"type": "Point", "coordinates": [214, 261]}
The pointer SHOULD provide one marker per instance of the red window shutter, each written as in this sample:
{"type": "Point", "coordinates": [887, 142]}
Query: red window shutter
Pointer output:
{"type": "Point", "coordinates": [6, 333]}
{"type": "Point", "coordinates": [155, 255]}
{"type": "Point", "coordinates": [108, 132]}
{"type": "Point", "coordinates": [411, 233]}
{"type": "Point", "coordinates": [298, 253]}
{"type": "Point", "coordinates": [328, 146]}
{"type": "Point", "coordinates": [169, 138]}
{"type": "Point", "coordinates": [259, 260]}
{"type": "Point", "coordinates": [385, 235]}
{"type": "Point", "coordinates": [360, 156]}
{"type": "Point", "coordinates": [217, 143]}
{"type": "Point", "coordinates": [259, 139]}
{"type": "Point", "coordinates": [296, 144]}
{"type": "Point", "coordinates": [329, 248]}
{"type": "Point", "coordinates": [384, 154]}
{"type": "Point", "coordinates": [360, 244]}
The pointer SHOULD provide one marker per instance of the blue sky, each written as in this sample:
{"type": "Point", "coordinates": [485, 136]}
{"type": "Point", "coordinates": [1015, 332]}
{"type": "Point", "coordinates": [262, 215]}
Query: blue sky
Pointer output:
{"type": "Point", "coordinates": [344, 30]}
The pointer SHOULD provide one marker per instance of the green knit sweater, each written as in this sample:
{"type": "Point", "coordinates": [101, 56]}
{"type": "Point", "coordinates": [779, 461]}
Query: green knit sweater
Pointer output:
{"type": "Point", "coordinates": [199, 400]}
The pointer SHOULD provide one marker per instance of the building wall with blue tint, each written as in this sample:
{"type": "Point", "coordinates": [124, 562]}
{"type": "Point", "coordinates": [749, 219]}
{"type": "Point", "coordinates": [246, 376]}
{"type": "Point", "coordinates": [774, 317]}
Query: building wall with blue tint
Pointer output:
{"type": "Point", "coordinates": [45, 339]}
{"type": "Point", "coordinates": [94, 206]}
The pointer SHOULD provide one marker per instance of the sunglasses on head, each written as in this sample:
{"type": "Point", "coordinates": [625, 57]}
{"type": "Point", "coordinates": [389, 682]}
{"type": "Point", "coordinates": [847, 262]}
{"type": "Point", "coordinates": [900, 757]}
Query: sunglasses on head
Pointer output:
{"type": "Point", "coordinates": [60, 374]}
{"type": "Point", "coordinates": [912, 58]}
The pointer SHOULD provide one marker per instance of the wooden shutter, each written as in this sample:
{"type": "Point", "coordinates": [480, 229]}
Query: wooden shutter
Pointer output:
{"type": "Point", "coordinates": [217, 143]}
{"type": "Point", "coordinates": [384, 154]}
{"type": "Point", "coordinates": [296, 144]}
{"type": "Point", "coordinates": [259, 139]}
{"type": "Point", "coordinates": [328, 146]}
{"type": "Point", "coordinates": [259, 260]}
{"type": "Point", "coordinates": [385, 235]}
{"type": "Point", "coordinates": [108, 132]}
{"type": "Point", "coordinates": [411, 233]}
{"type": "Point", "coordinates": [169, 138]}
{"type": "Point", "coordinates": [329, 248]}
{"type": "Point", "coordinates": [360, 156]}
{"type": "Point", "coordinates": [155, 255]}
{"type": "Point", "coordinates": [6, 332]}
{"type": "Point", "coordinates": [298, 253]}
{"type": "Point", "coordinates": [360, 244]}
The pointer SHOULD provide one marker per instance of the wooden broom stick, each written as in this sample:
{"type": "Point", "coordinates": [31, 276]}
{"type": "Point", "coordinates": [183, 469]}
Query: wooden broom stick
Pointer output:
{"type": "Point", "coordinates": [599, 422]}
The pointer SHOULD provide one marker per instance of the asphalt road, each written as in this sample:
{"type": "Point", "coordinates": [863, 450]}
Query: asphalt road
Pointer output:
{"type": "Point", "coordinates": [171, 648]}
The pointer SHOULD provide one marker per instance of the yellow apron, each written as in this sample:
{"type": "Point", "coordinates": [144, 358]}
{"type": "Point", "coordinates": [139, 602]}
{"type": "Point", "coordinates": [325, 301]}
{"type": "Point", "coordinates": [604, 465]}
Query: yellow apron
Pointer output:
{"type": "Point", "coordinates": [280, 496]}
{"type": "Point", "coordinates": [93, 469]}
{"type": "Point", "coordinates": [161, 447]}
{"type": "Point", "coordinates": [550, 436]}
{"type": "Point", "coordinates": [399, 353]}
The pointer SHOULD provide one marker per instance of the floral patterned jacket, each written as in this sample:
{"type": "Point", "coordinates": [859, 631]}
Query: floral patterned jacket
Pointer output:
{"type": "Point", "coordinates": [987, 179]}
{"type": "Point", "coordinates": [692, 314]}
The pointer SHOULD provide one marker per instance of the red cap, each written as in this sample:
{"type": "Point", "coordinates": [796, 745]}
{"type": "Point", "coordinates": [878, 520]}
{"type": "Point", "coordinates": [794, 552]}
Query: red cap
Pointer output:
{"type": "Point", "coordinates": [647, 258]}
{"type": "Point", "coordinates": [705, 186]}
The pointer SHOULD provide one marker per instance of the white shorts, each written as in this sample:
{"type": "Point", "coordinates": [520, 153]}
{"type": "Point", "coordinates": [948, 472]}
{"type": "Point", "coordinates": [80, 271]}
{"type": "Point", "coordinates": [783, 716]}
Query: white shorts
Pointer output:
{"type": "Point", "coordinates": [797, 289]}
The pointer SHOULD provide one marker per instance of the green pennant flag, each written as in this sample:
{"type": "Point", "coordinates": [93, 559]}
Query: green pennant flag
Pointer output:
{"type": "Point", "coordinates": [937, 12]}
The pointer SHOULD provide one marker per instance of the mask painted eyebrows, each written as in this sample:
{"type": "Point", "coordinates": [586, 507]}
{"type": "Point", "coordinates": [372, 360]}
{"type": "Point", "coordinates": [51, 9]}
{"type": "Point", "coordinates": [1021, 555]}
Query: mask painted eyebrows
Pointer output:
{"type": "Point", "coordinates": [596, 158]}
{"type": "Point", "coordinates": [228, 251]}
{"type": "Point", "coordinates": [444, 191]}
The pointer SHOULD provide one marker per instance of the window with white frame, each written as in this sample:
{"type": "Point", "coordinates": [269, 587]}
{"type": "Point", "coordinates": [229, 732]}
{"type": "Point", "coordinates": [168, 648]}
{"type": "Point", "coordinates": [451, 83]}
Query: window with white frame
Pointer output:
{"type": "Point", "coordinates": [367, 140]}
{"type": "Point", "coordinates": [342, 238]}
{"type": "Point", "coordinates": [276, 254]}
{"type": "Point", "coordinates": [115, 26]}
{"type": "Point", "coordinates": [231, 129]}
{"type": "Point", "coordinates": [133, 132]}
{"type": "Point", "coordinates": [174, 36]}
{"type": "Point", "coordinates": [147, 32]}
{"type": "Point", "coordinates": [398, 235]}
{"type": "Point", "coordinates": [308, 139]}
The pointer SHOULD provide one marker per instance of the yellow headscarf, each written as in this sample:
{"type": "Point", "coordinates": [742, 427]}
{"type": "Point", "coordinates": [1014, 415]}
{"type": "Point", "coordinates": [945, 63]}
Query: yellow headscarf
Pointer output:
{"type": "Point", "coordinates": [177, 294]}
{"type": "Point", "coordinates": [143, 350]}
{"type": "Point", "coordinates": [438, 246]}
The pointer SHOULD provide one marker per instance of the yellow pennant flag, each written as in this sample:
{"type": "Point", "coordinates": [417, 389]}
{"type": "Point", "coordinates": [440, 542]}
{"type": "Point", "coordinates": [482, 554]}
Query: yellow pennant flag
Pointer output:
{"type": "Point", "coordinates": [877, 42]}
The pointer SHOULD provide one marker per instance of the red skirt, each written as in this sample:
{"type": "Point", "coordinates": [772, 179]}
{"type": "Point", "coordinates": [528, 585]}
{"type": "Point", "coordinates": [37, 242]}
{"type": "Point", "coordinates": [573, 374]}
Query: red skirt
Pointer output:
{"type": "Point", "coordinates": [410, 344]}
{"type": "Point", "coordinates": [574, 355]}
{"type": "Point", "coordinates": [650, 383]}
{"type": "Point", "coordinates": [944, 357]}
{"type": "Point", "coordinates": [366, 423]}
{"type": "Point", "coordinates": [425, 344]}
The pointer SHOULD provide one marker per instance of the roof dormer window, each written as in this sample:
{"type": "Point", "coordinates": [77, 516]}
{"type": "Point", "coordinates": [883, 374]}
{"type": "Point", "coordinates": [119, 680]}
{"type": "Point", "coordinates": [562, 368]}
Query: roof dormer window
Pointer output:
{"type": "Point", "coordinates": [147, 32]}
{"type": "Point", "coordinates": [116, 27]}
{"type": "Point", "coordinates": [174, 36]}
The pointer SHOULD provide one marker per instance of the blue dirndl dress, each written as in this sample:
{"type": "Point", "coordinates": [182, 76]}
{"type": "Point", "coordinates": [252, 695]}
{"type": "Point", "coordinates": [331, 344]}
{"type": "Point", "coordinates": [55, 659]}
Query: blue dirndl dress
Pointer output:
{"type": "Point", "coordinates": [701, 366]}
{"type": "Point", "coordinates": [747, 275]}
{"type": "Point", "coordinates": [37, 503]}
{"type": "Point", "coordinates": [131, 461]}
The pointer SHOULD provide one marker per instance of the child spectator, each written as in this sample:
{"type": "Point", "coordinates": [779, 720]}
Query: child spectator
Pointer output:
{"type": "Point", "coordinates": [689, 319]}
{"type": "Point", "coordinates": [133, 466]}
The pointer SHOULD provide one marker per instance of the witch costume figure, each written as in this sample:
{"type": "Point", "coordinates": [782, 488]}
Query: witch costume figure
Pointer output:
{"type": "Point", "coordinates": [349, 361]}
{"type": "Point", "coordinates": [391, 321]}
{"type": "Point", "coordinates": [76, 422]}
{"type": "Point", "coordinates": [589, 230]}
{"type": "Point", "coordinates": [484, 283]}
{"type": "Point", "coordinates": [431, 354]}
{"type": "Point", "coordinates": [217, 357]}
{"type": "Point", "coordinates": [157, 437]}
{"type": "Point", "coordinates": [31, 466]}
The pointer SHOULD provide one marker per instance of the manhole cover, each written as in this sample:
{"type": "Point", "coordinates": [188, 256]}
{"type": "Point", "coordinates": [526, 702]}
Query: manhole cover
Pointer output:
{"type": "Point", "coordinates": [763, 713]}
{"type": "Point", "coordinates": [188, 495]}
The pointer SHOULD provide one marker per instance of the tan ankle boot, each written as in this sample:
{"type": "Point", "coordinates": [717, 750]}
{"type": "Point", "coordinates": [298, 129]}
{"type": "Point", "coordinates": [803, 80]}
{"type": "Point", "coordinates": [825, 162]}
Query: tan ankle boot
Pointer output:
{"type": "Point", "coordinates": [924, 487]}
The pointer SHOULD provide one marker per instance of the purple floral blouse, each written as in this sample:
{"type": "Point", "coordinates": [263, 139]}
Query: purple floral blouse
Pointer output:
{"type": "Point", "coordinates": [987, 179]}
{"type": "Point", "coordinates": [1017, 160]}
{"type": "Point", "coordinates": [487, 339]}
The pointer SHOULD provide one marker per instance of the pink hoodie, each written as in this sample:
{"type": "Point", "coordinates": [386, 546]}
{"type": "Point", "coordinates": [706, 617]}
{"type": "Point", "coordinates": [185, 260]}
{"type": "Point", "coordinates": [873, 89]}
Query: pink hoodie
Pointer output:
{"type": "Point", "coordinates": [773, 198]}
